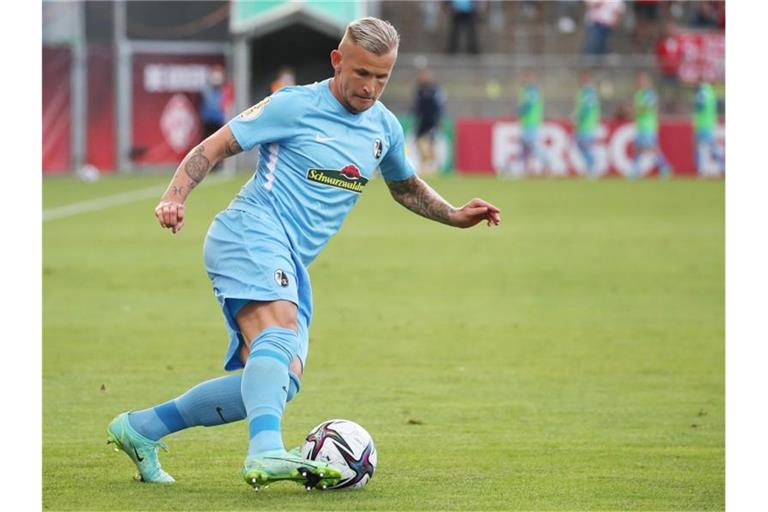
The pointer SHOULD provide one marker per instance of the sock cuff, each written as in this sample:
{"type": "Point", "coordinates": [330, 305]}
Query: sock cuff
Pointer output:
{"type": "Point", "coordinates": [276, 342]}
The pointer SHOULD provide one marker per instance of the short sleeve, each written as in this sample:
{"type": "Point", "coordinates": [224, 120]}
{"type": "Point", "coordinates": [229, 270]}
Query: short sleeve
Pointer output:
{"type": "Point", "coordinates": [271, 120]}
{"type": "Point", "coordinates": [396, 166]}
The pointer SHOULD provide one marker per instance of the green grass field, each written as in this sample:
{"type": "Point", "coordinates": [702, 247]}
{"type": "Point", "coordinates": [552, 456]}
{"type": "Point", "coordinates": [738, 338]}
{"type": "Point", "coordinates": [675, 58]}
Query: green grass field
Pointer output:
{"type": "Point", "coordinates": [571, 359]}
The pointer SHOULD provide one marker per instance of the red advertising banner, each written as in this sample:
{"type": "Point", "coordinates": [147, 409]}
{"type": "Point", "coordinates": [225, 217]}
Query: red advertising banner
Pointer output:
{"type": "Point", "coordinates": [495, 146]}
{"type": "Point", "coordinates": [57, 61]}
{"type": "Point", "coordinates": [166, 99]}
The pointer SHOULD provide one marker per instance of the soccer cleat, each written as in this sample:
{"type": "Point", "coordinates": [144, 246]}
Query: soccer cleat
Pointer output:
{"type": "Point", "coordinates": [142, 451]}
{"type": "Point", "coordinates": [273, 467]}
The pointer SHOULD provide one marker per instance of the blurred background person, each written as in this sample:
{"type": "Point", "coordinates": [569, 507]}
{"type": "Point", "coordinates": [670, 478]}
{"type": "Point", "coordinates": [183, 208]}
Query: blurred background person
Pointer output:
{"type": "Point", "coordinates": [463, 14]}
{"type": "Point", "coordinates": [602, 17]}
{"type": "Point", "coordinates": [587, 118]}
{"type": "Point", "coordinates": [647, 126]}
{"type": "Point", "coordinates": [530, 110]}
{"type": "Point", "coordinates": [285, 77]}
{"type": "Point", "coordinates": [212, 107]}
{"type": "Point", "coordinates": [428, 106]}
{"type": "Point", "coordinates": [216, 97]}
{"type": "Point", "coordinates": [704, 125]}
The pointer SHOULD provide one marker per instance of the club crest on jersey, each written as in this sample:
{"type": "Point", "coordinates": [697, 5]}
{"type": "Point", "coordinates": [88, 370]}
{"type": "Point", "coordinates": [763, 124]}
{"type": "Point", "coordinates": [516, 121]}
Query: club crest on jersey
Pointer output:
{"type": "Point", "coordinates": [348, 178]}
{"type": "Point", "coordinates": [377, 148]}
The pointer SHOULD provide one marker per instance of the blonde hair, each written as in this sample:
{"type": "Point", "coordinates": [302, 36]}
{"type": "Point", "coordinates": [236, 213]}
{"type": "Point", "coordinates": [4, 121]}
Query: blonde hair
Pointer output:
{"type": "Point", "coordinates": [374, 35]}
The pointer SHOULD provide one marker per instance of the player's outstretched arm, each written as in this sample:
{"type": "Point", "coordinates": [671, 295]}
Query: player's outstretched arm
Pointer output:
{"type": "Point", "coordinates": [416, 195]}
{"type": "Point", "coordinates": [191, 171]}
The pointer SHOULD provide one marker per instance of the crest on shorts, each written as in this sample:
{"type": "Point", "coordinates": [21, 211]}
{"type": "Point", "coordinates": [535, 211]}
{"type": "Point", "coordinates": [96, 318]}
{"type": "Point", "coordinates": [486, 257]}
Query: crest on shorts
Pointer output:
{"type": "Point", "coordinates": [281, 278]}
{"type": "Point", "coordinates": [377, 148]}
{"type": "Point", "coordinates": [256, 110]}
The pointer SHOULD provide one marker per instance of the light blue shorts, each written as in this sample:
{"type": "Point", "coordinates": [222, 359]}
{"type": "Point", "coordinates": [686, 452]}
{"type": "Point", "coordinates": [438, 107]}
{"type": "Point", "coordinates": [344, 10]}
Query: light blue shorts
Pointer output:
{"type": "Point", "coordinates": [248, 257]}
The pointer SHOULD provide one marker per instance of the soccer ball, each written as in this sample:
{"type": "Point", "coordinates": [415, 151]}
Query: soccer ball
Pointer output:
{"type": "Point", "coordinates": [346, 446]}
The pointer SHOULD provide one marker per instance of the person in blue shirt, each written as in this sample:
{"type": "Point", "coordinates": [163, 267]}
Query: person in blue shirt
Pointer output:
{"type": "Point", "coordinates": [212, 104]}
{"type": "Point", "coordinates": [212, 114]}
{"type": "Point", "coordinates": [319, 146]}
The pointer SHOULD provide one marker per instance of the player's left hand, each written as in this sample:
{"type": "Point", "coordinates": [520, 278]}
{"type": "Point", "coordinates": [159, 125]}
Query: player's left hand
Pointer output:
{"type": "Point", "coordinates": [475, 211]}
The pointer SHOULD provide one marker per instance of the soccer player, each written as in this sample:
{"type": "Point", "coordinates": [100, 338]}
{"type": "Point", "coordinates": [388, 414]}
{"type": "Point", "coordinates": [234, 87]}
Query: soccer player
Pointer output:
{"type": "Point", "coordinates": [320, 145]}
{"type": "Point", "coordinates": [587, 116]}
{"type": "Point", "coordinates": [647, 126]}
{"type": "Point", "coordinates": [530, 109]}
{"type": "Point", "coordinates": [705, 123]}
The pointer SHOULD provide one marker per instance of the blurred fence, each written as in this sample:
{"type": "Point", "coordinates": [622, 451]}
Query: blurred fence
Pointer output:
{"type": "Point", "coordinates": [488, 85]}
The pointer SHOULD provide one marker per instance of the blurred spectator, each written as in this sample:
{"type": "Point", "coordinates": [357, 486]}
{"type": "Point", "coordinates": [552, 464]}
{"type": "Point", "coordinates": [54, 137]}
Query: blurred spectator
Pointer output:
{"type": "Point", "coordinates": [212, 114]}
{"type": "Point", "coordinates": [531, 114]}
{"type": "Point", "coordinates": [428, 110]}
{"type": "Point", "coordinates": [285, 77]}
{"type": "Point", "coordinates": [212, 107]}
{"type": "Point", "coordinates": [463, 15]}
{"type": "Point", "coordinates": [602, 17]}
{"type": "Point", "coordinates": [587, 119]}
{"type": "Point", "coordinates": [705, 124]}
{"type": "Point", "coordinates": [646, 17]}
{"type": "Point", "coordinates": [709, 15]}
{"type": "Point", "coordinates": [669, 56]}
{"type": "Point", "coordinates": [647, 126]}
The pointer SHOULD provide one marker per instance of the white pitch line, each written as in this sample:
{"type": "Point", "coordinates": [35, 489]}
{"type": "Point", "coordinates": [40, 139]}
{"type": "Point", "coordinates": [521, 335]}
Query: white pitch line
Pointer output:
{"type": "Point", "coordinates": [102, 203]}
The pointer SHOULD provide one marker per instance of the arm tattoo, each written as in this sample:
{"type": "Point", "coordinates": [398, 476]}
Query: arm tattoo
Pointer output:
{"type": "Point", "coordinates": [181, 190]}
{"type": "Point", "coordinates": [417, 196]}
{"type": "Point", "coordinates": [198, 165]}
{"type": "Point", "coordinates": [232, 148]}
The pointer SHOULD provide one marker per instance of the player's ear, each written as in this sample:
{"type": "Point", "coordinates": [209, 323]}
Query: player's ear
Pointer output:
{"type": "Point", "coordinates": [336, 60]}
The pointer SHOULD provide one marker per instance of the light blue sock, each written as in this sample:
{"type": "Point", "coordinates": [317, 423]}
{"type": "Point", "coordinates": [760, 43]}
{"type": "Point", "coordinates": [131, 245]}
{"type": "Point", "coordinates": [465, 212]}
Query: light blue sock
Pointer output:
{"type": "Point", "coordinates": [210, 403]}
{"type": "Point", "coordinates": [265, 387]}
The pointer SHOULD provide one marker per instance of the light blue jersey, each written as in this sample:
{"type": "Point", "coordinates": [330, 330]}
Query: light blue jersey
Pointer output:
{"type": "Point", "coordinates": [315, 160]}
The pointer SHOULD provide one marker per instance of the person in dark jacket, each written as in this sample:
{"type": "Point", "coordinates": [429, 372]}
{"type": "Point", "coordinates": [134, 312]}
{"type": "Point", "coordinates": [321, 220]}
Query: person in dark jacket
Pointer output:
{"type": "Point", "coordinates": [428, 110]}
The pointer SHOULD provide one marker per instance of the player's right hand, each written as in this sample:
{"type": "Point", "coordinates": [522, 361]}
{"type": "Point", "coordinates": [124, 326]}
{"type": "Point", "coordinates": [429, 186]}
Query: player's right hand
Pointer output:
{"type": "Point", "coordinates": [171, 215]}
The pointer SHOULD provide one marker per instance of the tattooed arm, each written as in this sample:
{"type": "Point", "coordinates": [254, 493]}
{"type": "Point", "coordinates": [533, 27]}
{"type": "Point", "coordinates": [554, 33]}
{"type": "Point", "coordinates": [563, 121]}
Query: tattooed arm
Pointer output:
{"type": "Point", "coordinates": [416, 195]}
{"type": "Point", "coordinates": [192, 170]}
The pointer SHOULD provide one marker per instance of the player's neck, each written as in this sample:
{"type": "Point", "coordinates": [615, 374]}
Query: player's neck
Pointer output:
{"type": "Point", "coordinates": [337, 94]}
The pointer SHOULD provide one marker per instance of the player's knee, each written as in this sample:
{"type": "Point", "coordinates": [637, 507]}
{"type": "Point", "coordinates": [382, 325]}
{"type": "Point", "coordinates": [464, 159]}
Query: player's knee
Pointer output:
{"type": "Point", "coordinates": [256, 317]}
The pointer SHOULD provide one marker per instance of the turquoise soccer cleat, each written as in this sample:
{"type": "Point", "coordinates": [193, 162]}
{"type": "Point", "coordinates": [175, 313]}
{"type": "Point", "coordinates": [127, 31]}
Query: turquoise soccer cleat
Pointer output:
{"type": "Point", "coordinates": [260, 471]}
{"type": "Point", "coordinates": [142, 451]}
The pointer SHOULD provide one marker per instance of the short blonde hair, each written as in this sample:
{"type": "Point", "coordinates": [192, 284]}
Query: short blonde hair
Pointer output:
{"type": "Point", "coordinates": [374, 35]}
